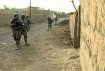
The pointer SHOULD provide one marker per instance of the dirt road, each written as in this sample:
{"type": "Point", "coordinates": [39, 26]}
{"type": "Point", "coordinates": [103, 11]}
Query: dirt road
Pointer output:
{"type": "Point", "coordinates": [43, 54]}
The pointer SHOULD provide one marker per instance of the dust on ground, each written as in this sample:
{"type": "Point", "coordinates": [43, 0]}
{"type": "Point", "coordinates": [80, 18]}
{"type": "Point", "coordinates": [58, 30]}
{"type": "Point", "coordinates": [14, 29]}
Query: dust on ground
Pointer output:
{"type": "Point", "coordinates": [48, 50]}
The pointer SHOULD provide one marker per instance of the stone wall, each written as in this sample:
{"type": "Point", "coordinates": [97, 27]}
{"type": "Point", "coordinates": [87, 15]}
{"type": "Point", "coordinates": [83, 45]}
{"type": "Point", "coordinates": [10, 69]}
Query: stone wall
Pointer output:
{"type": "Point", "coordinates": [92, 50]}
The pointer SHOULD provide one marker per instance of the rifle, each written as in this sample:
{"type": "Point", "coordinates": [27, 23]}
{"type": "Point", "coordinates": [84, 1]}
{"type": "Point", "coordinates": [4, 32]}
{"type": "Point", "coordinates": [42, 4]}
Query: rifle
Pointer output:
{"type": "Point", "coordinates": [17, 24]}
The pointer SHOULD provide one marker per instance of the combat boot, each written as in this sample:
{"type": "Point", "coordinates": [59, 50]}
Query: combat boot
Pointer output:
{"type": "Point", "coordinates": [27, 43]}
{"type": "Point", "coordinates": [17, 45]}
{"type": "Point", "coordinates": [17, 48]}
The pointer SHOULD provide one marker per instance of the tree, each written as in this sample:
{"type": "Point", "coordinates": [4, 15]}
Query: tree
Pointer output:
{"type": "Point", "coordinates": [28, 7]}
{"type": "Point", "coordinates": [5, 7]}
{"type": "Point", "coordinates": [49, 9]}
{"type": "Point", "coordinates": [63, 14]}
{"type": "Point", "coordinates": [55, 13]}
{"type": "Point", "coordinates": [14, 8]}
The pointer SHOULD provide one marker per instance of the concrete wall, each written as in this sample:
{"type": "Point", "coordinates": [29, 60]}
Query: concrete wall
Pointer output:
{"type": "Point", "coordinates": [92, 50]}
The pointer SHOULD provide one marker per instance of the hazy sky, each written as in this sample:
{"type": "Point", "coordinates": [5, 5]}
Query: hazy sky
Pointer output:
{"type": "Point", "coordinates": [57, 5]}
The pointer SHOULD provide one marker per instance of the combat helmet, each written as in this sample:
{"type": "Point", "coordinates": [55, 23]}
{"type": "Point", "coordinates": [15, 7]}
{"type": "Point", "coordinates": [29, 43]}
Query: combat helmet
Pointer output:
{"type": "Point", "coordinates": [16, 14]}
{"type": "Point", "coordinates": [22, 16]}
{"type": "Point", "coordinates": [26, 16]}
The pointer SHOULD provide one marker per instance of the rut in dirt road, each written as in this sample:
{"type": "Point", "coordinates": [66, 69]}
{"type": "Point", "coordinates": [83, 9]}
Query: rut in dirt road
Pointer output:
{"type": "Point", "coordinates": [43, 54]}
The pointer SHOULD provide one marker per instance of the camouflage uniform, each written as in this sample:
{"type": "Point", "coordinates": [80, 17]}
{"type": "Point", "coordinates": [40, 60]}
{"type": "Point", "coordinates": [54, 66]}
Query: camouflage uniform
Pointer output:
{"type": "Point", "coordinates": [49, 23]}
{"type": "Point", "coordinates": [24, 29]}
{"type": "Point", "coordinates": [28, 21]}
{"type": "Point", "coordinates": [16, 25]}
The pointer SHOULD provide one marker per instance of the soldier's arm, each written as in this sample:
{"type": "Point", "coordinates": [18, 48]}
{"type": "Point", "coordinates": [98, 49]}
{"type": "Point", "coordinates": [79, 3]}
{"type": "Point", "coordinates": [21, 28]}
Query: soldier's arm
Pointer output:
{"type": "Point", "coordinates": [27, 26]}
{"type": "Point", "coordinates": [21, 22]}
{"type": "Point", "coordinates": [11, 24]}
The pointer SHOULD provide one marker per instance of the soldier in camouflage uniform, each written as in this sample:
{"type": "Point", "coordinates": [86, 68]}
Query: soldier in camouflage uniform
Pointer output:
{"type": "Point", "coordinates": [49, 23]}
{"type": "Point", "coordinates": [24, 29]}
{"type": "Point", "coordinates": [28, 20]}
{"type": "Point", "coordinates": [16, 25]}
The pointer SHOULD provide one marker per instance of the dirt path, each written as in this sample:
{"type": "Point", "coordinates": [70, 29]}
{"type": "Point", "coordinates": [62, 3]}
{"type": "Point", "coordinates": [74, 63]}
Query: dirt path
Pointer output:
{"type": "Point", "coordinates": [44, 54]}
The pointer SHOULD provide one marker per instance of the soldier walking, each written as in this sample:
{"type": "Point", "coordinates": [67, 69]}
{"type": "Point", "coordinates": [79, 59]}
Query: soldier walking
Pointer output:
{"type": "Point", "coordinates": [24, 29]}
{"type": "Point", "coordinates": [16, 26]}
{"type": "Point", "coordinates": [49, 23]}
{"type": "Point", "coordinates": [28, 20]}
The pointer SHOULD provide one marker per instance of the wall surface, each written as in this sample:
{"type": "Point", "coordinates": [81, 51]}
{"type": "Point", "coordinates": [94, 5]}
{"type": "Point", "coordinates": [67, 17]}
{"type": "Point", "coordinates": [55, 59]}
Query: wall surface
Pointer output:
{"type": "Point", "coordinates": [37, 18]}
{"type": "Point", "coordinates": [92, 50]}
{"type": "Point", "coordinates": [38, 15]}
{"type": "Point", "coordinates": [5, 19]}
{"type": "Point", "coordinates": [72, 24]}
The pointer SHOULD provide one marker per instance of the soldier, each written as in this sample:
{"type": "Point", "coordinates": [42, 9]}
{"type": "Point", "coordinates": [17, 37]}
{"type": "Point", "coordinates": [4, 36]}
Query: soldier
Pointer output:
{"type": "Point", "coordinates": [28, 20]}
{"type": "Point", "coordinates": [24, 29]}
{"type": "Point", "coordinates": [49, 23]}
{"type": "Point", "coordinates": [16, 25]}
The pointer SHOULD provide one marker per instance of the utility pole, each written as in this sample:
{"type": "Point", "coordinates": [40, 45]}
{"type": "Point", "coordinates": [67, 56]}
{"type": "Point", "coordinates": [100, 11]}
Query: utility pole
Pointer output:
{"type": "Point", "coordinates": [30, 10]}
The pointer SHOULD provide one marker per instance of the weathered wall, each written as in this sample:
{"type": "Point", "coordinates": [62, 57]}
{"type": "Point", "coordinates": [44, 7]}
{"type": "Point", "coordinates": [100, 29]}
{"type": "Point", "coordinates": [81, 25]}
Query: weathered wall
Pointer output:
{"type": "Point", "coordinates": [92, 50]}
{"type": "Point", "coordinates": [37, 18]}
{"type": "Point", "coordinates": [14, 11]}
{"type": "Point", "coordinates": [38, 15]}
{"type": "Point", "coordinates": [44, 12]}
{"type": "Point", "coordinates": [72, 24]}
{"type": "Point", "coordinates": [35, 8]}
{"type": "Point", "coordinates": [5, 19]}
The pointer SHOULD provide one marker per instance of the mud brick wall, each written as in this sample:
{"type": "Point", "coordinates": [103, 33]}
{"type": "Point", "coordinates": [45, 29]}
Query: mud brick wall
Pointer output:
{"type": "Point", "coordinates": [46, 12]}
{"type": "Point", "coordinates": [5, 19]}
{"type": "Point", "coordinates": [14, 11]}
{"type": "Point", "coordinates": [72, 24]}
{"type": "Point", "coordinates": [37, 18]}
{"type": "Point", "coordinates": [92, 50]}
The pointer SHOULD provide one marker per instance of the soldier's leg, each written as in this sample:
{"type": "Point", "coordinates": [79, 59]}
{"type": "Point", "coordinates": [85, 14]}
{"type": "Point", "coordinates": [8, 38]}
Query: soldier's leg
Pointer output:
{"type": "Point", "coordinates": [25, 38]}
{"type": "Point", "coordinates": [48, 27]}
{"type": "Point", "coordinates": [51, 26]}
{"type": "Point", "coordinates": [18, 36]}
{"type": "Point", "coordinates": [28, 27]}
{"type": "Point", "coordinates": [14, 34]}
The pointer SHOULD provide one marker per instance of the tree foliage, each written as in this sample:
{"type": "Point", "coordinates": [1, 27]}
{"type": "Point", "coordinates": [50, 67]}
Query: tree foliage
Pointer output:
{"type": "Point", "coordinates": [5, 7]}
{"type": "Point", "coordinates": [60, 14]}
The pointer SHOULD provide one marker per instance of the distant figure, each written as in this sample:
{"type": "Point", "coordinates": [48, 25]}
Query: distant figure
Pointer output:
{"type": "Point", "coordinates": [56, 19]}
{"type": "Point", "coordinates": [29, 21]}
{"type": "Point", "coordinates": [49, 23]}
